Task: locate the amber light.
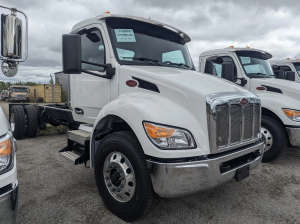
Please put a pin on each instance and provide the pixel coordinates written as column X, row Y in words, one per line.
column 158, row 132
column 5, row 148
column 291, row 113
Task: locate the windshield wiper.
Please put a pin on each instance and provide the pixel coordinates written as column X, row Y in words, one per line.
column 149, row 60
column 268, row 76
column 181, row 65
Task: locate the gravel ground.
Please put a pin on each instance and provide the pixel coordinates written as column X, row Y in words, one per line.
column 53, row 190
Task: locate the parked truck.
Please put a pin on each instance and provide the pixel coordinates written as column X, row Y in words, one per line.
column 4, row 95
column 141, row 116
column 18, row 94
column 251, row 69
column 286, row 69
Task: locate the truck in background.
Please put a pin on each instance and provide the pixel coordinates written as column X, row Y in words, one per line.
column 251, row 69
column 286, row 69
column 4, row 95
column 18, row 94
column 143, row 118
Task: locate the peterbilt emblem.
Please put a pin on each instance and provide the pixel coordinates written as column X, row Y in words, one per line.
column 244, row 102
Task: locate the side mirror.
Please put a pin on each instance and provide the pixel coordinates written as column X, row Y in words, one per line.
column 71, row 57
column 71, row 53
column 279, row 74
column 228, row 71
column 209, row 67
column 290, row 75
column 11, row 36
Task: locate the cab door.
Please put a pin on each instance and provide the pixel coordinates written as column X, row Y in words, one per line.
column 89, row 94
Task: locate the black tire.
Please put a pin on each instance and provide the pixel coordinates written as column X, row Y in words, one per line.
column 18, row 115
column 278, row 136
column 32, row 121
column 144, row 198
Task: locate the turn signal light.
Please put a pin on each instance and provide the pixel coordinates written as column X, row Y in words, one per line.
column 158, row 131
column 107, row 12
column 231, row 46
column 5, row 148
column 291, row 113
column 287, row 58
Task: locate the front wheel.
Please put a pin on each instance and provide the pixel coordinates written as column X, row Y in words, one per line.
column 123, row 178
column 275, row 137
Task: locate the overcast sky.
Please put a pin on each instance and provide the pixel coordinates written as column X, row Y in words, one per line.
column 270, row 25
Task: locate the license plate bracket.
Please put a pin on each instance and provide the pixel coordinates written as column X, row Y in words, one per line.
column 242, row 173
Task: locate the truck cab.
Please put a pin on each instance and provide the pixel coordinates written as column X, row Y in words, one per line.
column 286, row 69
column 250, row 69
column 4, row 95
column 141, row 116
column 18, row 94
column 8, row 172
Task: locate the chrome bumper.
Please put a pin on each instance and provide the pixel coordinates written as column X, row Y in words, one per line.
column 9, row 204
column 178, row 179
column 294, row 135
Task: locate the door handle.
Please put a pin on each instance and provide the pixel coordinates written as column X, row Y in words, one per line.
column 78, row 111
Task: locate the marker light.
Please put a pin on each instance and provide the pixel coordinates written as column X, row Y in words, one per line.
column 107, row 12
column 294, row 115
column 231, row 46
column 287, row 58
column 169, row 137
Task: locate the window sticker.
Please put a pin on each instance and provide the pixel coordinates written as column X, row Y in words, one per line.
column 245, row 60
column 125, row 53
column 125, row 35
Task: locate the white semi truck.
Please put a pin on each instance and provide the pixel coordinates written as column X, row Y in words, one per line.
column 251, row 69
column 143, row 118
column 286, row 69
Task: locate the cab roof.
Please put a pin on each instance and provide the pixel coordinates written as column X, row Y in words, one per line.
column 232, row 49
column 105, row 16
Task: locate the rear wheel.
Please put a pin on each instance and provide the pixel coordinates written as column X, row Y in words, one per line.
column 31, row 121
column 17, row 121
column 123, row 178
column 275, row 136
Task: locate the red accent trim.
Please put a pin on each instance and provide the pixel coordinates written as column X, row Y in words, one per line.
column 244, row 102
column 261, row 88
column 131, row 83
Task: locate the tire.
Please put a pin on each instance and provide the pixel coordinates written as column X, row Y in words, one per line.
column 278, row 138
column 32, row 121
column 144, row 198
column 17, row 121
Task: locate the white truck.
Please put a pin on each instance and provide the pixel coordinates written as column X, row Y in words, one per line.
column 8, row 173
column 286, row 69
column 143, row 118
column 251, row 69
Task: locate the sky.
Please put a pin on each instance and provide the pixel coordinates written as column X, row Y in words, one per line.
column 270, row 25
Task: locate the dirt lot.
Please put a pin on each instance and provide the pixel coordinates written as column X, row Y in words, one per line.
column 52, row 190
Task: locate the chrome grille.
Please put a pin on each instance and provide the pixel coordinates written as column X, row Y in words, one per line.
column 232, row 125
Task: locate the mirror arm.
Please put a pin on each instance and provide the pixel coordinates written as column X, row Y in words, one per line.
column 95, row 74
column 110, row 71
column 96, row 64
column 243, row 81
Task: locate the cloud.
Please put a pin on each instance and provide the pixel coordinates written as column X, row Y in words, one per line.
column 267, row 25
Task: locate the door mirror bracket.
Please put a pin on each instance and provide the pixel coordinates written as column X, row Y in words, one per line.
column 243, row 81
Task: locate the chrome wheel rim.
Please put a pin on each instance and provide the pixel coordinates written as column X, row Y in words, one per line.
column 12, row 122
column 268, row 137
column 119, row 176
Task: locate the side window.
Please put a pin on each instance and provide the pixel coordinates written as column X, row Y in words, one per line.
column 173, row 56
column 217, row 65
column 283, row 68
column 92, row 49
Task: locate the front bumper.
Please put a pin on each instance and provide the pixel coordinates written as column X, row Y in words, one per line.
column 294, row 135
column 178, row 179
column 9, row 203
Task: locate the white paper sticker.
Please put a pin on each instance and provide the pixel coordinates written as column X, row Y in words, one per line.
column 245, row 60
column 125, row 35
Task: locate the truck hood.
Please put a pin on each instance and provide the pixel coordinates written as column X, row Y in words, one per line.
column 288, row 88
column 186, row 78
column 4, row 125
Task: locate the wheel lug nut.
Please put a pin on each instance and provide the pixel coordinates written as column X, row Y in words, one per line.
column 113, row 190
column 108, row 185
column 121, row 185
column 118, row 190
column 107, row 171
column 107, row 177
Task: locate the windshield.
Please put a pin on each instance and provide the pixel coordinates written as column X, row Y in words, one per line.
column 140, row 43
column 255, row 64
column 297, row 67
column 19, row 90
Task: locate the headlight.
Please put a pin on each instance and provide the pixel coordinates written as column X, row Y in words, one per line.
column 169, row 137
column 294, row 115
column 5, row 154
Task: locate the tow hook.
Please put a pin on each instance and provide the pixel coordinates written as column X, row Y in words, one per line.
column 224, row 167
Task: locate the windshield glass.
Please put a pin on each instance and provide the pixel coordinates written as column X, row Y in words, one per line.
column 297, row 67
column 19, row 90
column 255, row 64
column 140, row 43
